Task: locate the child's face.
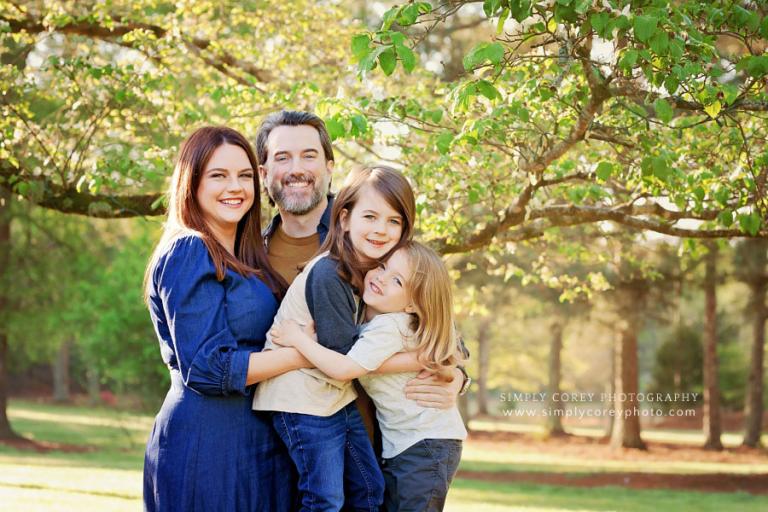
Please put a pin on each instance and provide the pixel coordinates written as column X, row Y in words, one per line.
column 386, row 287
column 374, row 227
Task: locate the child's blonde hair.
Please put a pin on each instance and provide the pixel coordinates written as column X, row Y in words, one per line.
column 430, row 289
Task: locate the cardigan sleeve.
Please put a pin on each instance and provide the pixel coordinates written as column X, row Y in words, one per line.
column 194, row 305
column 332, row 305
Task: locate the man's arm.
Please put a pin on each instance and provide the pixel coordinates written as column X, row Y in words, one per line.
column 429, row 390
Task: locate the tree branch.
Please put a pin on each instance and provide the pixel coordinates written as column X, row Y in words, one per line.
column 95, row 31
column 69, row 200
column 541, row 219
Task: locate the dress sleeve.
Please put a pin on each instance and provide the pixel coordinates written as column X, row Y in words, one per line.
column 333, row 307
column 194, row 303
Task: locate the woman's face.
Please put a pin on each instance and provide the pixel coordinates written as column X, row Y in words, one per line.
column 226, row 190
column 374, row 227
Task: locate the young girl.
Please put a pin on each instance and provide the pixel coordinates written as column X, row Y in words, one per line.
column 315, row 415
column 408, row 307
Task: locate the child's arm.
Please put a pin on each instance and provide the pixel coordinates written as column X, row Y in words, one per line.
column 400, row 363
column 330, row 362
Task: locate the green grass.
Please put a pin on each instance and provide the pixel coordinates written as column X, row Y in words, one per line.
column 478, row 496
column 108, row 477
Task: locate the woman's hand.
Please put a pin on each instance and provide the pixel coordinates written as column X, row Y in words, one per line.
column 433, row 390
column 289, row 333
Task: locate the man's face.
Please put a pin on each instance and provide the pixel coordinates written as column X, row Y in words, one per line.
column 296, row 173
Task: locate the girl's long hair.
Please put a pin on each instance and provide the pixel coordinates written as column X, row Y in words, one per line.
column 186, row 217
column 397, row 192
column 437, row 345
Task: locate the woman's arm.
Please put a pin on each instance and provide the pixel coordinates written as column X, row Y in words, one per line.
column 270, row 363
column 330, row 362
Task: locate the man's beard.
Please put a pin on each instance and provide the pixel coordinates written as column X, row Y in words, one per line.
column 297, row 204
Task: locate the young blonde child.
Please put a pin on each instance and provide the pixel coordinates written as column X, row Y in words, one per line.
column 408, row 307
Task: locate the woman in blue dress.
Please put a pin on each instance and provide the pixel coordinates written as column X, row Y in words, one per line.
column 212, row 295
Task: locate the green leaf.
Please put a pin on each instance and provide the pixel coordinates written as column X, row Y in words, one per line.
column 488, row 90
column 730, row 93
column 396, row 38
column 764, row 27
column 713, row 109
column 408, row 15
column 645, row 27
column 407, row 57
column 676, row 48
column 756, row 66
column 749, row 223
column 660, row 168
column 361, row 46
column 628, row 59
column 335, row 128
column 601, row 22
column 465, row 93
column 725, row 217
column 360, row 124
column 722, row 195
column 582, row 6
column 491, row 6
column 663, row 110
column 660, row 42
column 492, row 52
column 389, row 17
column 443, row 142
column 520, row 9
column 434, row 115
column 745, row 18
column 502, row 19
column 387, row 61
column 369, row 61
column 604, row 170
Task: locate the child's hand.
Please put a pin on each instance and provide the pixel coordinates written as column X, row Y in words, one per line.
column 289, row 333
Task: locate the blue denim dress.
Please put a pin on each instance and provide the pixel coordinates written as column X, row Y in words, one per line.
column 208, row 451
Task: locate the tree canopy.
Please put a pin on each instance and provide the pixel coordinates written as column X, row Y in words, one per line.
column 649, row 115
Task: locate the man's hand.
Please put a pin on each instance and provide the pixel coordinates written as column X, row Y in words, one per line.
column 431, row 390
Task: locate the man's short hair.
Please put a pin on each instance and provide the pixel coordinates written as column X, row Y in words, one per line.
column 291, row 118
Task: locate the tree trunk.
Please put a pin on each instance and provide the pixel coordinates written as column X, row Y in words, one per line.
column 555, row 410
column 626, row 428
column 712, row 424
column 753, row 406
column 484, row 360
column 5, row 257
column 612, row 386
column 94, row 385
column 61, row 381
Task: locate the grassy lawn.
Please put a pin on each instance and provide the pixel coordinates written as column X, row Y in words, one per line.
column 108, row 475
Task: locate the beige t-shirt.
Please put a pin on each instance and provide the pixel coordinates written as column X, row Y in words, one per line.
column 305, row 391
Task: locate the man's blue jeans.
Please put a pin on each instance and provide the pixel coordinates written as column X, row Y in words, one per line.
column 334, row 457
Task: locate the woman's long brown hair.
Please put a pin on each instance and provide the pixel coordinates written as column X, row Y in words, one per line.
column 186, row 217
column 395, row 189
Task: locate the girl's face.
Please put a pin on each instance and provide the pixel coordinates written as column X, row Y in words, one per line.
column 374, row 227
column 386, row 287
column 226, row 190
